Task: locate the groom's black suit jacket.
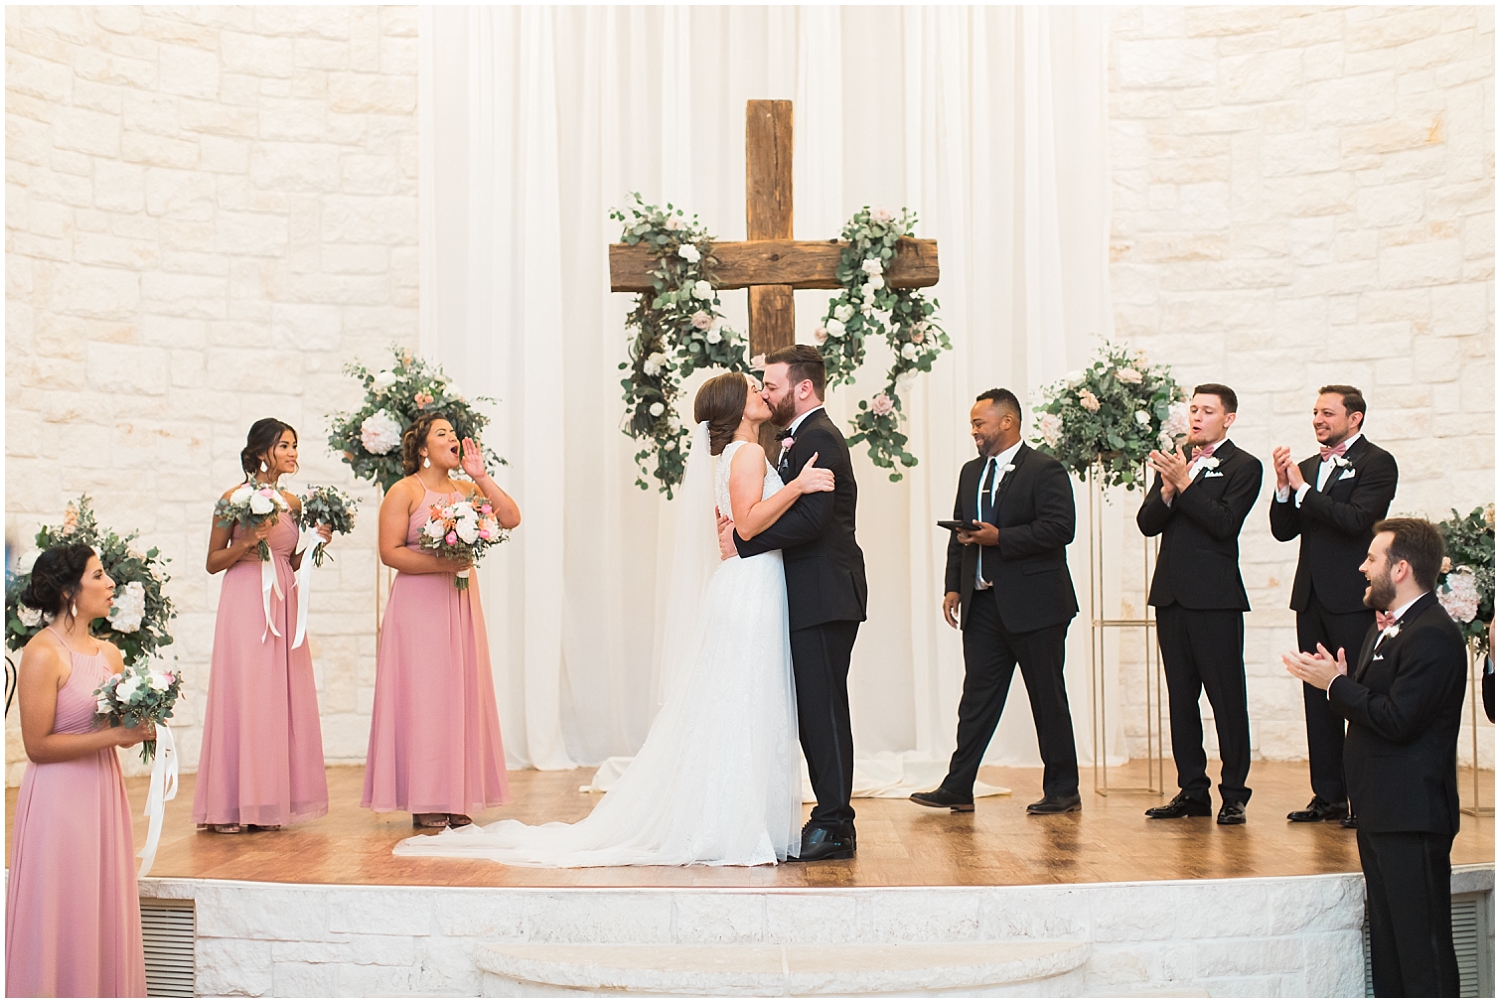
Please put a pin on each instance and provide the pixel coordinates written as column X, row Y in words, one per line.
column 825, row 569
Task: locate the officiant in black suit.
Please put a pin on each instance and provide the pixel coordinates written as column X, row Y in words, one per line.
column 1197, row 505
column 1008, row 587
column 1331, row 500
column 1404, row 703
column 825, row 590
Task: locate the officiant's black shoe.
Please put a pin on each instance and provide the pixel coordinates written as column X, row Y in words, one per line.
column 942, row 798
column 1182, row 806
column 1056, row 804
column 1231, row 813
column 821, row 844
column 1318, row 810
column 1351, row 822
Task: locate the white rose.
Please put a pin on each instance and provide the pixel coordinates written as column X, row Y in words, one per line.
column 1142, row 418
column 843, row 312
column 454, row 392
column 128, row 688
column 240, row 494
column 467, row 530
column 872, row 266
column 713, row 337
column 689, row 253
column 836, row 328
column 260, row 504
column 1073, row 378
column 650, row 368
column 658, row 409
column 702, row 290
column 384, row 380
column 877, row 282
column 159, row 682
column 433, row 531
column 909, row 351
column 869, row 294
column 103, row 706
column 25, row 562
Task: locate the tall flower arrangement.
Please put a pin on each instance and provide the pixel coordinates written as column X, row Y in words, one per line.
column 1466, row 586
column 869, row 306
column 137, row 623
column 369, row 437
column 678, row 329
column 1112, row 414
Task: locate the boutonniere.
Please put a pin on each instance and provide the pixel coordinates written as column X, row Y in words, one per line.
column 1339, row 461
column 1211, row 463
column 787, row 443
column 1393, row 630
column 1007, row 469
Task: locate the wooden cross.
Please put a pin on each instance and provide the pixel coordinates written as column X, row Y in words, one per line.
column 770, row 264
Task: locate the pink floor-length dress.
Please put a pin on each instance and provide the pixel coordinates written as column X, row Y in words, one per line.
column 435, row 733
column 262, row 758
column 72, row 914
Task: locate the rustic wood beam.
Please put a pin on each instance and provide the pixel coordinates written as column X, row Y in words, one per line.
column 768, row 216
column 801, row 264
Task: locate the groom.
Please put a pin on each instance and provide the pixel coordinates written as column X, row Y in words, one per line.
column 825, row 591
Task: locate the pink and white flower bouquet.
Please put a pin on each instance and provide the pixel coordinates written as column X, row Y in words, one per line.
column 463, row 529
column 250, row 505
column 138, row 695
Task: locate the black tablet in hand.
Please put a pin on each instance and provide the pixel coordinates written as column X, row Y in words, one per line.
column 964, row 524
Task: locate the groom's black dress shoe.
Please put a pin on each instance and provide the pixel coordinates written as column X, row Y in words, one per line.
column 1231, row 813
column 1318, row 810
column 942, row 798
column 1056, row 804
column 821, row 844
column 1182, row 806
column 1350, row 823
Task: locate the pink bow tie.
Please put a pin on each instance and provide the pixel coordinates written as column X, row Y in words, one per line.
column 1326, row 452
column 1383, row 620
column 1201, row 451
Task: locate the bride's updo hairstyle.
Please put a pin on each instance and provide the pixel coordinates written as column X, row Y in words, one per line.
column 414, row 438
column 721, row 403
column 56, row 577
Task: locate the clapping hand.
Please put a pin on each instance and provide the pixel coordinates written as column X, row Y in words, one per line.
column 472, row 460
column 1320, row 670
column 1173, row 467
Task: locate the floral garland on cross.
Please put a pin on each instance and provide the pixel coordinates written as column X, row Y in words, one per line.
column 678, row 330
column 869, row 306
column 1112, row 415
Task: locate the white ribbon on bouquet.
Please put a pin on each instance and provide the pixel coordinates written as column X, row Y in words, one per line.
column 269, row 584
column 305, row 544
column 163, row 789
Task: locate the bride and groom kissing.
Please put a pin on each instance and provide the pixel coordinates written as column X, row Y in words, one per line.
column 768, row 592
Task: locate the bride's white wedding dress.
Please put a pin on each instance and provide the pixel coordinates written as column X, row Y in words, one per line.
column 718, row 780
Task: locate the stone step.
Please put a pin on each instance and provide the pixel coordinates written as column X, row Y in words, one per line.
column 994, row 968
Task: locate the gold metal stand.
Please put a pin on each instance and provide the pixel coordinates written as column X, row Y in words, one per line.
column 1155, row 760
column 1476, row 676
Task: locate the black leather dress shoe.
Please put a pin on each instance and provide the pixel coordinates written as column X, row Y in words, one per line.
column 1318, row 810
column 1056, row 804
column 1350, row 822
column 1231, row 813
column 821, row 844
column 942, row 798
column 1182, row 806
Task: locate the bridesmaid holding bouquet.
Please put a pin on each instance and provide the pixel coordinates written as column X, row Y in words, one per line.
column 262, row 760
column 435, row 734
column 72, row 915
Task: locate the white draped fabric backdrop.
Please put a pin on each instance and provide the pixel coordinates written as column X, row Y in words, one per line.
column 989, row 122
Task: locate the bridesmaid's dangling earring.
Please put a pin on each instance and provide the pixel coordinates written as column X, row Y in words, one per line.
column 75, row 611
column 426, row 461
column 262, row 466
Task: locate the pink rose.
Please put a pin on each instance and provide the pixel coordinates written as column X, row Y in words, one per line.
column 820, row 334
column 788, row 443
column 702, row 321
column 882, row 215
column 882, row 404
column 422, row 399
column 1128, row 375
column 918, row 335
column 451, row 538
column 486, row 509
column 758, row 362
column 1088, row 400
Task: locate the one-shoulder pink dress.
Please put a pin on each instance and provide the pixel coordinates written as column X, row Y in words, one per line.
column 72, row 915
column 435, row 733
column 262, row 758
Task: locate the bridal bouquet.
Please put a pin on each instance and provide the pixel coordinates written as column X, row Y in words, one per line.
column 462, row 529
column 138, row 695
column 327, row 505
column 250, row 505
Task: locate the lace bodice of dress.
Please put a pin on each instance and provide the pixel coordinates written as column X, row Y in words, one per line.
column 721, row 478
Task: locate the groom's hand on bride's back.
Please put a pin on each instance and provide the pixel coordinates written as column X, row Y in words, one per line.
column 726, row 537
column 813, row 479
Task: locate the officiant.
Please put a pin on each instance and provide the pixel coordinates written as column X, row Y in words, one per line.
column 1008, row 589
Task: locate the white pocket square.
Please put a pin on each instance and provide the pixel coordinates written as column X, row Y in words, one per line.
column 1212, row 473
column 1346, row 475
column 1378, row 658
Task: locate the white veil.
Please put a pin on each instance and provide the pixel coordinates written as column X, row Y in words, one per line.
column 695, row 558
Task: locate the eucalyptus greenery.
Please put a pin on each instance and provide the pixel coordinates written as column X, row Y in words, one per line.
column 1466, row 586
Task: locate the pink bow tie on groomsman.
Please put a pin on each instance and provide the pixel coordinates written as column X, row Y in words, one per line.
column 1201, row 451
column 1383, row 620
column 1325, row 452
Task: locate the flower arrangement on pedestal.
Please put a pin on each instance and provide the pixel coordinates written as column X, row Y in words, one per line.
column 1112, row 415
column 1466, row 585
column 369, row 438
column 138, row 620
column 869, row 306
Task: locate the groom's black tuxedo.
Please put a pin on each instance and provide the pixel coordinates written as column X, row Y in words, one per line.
column 825, row 591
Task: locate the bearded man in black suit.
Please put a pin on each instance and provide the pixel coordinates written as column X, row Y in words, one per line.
column 1404, row 703
column 1331, row 500
column 1007, row 585
column 1197, row 504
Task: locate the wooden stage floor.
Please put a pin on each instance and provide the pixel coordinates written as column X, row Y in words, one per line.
column 900, row 844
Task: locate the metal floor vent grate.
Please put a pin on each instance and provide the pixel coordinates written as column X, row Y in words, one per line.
column 167, row 928
column 1471, row 943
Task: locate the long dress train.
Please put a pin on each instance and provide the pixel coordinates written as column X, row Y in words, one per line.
column 717, row 780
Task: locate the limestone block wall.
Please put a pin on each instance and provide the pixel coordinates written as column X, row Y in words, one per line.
column 1305, row 196
column 208, row 209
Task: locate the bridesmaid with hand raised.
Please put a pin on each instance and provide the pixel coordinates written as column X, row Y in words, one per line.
column 262, row 760
column 435, row 734
column 72, row 915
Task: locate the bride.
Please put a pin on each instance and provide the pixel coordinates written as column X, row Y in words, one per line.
column 717, row 780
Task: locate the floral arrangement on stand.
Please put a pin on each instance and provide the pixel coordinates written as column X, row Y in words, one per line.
column 869, row 306
column 1112, row 415
column 1466, row 585
column 678, row 330
column 137, row 623
column 369, row 438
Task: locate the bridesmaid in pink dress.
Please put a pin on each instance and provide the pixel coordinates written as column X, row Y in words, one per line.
column 435, row 736
column 72, row 916
column 262, row 761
